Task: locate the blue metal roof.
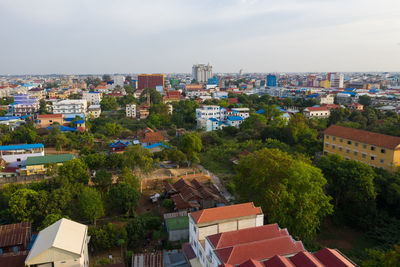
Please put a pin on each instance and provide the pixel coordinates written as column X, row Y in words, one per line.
column 120, row 143
column 234, row 118
column 9, row 118
column 79, row 122
column 156, row 145
column 260, row 111
column 20, row 147
column 63, row 128
column 212, row 119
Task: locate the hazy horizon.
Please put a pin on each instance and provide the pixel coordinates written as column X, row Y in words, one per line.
column 98, row 36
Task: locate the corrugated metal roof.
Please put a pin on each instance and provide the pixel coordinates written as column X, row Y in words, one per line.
column 21, row 147
column 61, row 158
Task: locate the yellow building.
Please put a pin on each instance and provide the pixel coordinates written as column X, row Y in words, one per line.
column 377, row 150
column 325, row 83
column 37, row 165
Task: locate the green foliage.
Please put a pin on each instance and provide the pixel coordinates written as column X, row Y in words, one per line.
column 136, row 157
column 105, row 237
column 56, row 139
column 103, row 180
column 95, row 160
column 168, row 204
column 365, row 100
column 90, row 204
column 155, row 97
column 191, row 145
column 378, row 258
column 128, row 177
column 52, row 218
column 27, row 205
column 288, row 190
column 42, row 106
column 124, row 198
column 351, row 184
column 73, row 171
column 108, row 103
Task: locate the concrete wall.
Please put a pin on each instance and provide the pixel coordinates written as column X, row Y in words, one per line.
column 176, row 235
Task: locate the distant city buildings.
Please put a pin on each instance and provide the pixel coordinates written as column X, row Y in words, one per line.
column 130, row 111
column 201, row 72
column 70, row 106
column 271, row 80
column 337, row 80
column 92, row 98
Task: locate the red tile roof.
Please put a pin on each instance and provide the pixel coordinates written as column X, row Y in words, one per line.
column 260, row 250
column 228, row 239
column 225, row 213
column 306, row 259
column 278, row 261
column 233, row 100
column 252, row 263
column 371, row 138
column 332, row 258
column 188, row 251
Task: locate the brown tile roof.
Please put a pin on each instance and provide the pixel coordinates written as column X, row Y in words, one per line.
column 49, row 116
column 306, row 259
column 231, row 238
column 152, row 137
column 278, row 261
column 260, row 250
column 252, row 263
column 371, row 138
column 14, row 234
column 188, row 251
column 181, row 204
column 226, row 212
column 332, row 258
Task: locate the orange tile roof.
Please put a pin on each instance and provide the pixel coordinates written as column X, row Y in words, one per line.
column 260, row 250
column 152, row 137
column 371, row 138
column 228, row 239
column 225, row 213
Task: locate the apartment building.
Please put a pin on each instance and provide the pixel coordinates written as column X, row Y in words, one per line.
column 212, row 221
column 16, row 155
column 46, row 120
column 317, row 112
column 70, row 106
column 377, row 150
column 23, row 105
column 64, row 243
column 94, row 111
column 244, row 113
column 92, row 98
column 326, row 99
column 130, row 111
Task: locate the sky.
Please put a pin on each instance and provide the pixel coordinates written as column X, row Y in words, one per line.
column 169, row 36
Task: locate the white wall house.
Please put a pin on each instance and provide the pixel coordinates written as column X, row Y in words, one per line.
column 317, row 112
column 130, row 111
column 326, row 99
column 64, row 243
column 94, row 111
column 242, row 112
column 92, row 98
column 16, row 155
column 212, row 221
column 70, row 106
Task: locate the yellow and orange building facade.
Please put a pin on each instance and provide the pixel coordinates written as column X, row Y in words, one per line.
column 377, row 150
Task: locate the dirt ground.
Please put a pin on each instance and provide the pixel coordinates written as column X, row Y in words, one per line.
column 53, row 151
column 337, row 237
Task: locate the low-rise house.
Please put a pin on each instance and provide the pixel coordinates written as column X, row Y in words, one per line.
column 46, row 120
column 143, row 112
column 234, row 121
column 64, row 243
column 317, row 112
column 171, row 96
column 94, row 111
column 15, row 237
column 149, row 137
column 16, row 155
column 356, row 106
column 37, row 165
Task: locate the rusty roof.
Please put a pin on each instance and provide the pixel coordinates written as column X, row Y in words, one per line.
column 371, row 138
column 14, row 234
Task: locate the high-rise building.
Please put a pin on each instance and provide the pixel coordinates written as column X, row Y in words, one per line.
column 337, row 80
column 150, row 80
column 271, row 80
column 202, row 72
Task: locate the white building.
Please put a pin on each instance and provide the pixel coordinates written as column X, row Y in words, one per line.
column 130, row 111
column 70, row 106
column 212, row 221
column 244, row 113
column 16, row 155
column 94, row 111
column 207, row 112
column 64, row 243
column 337, row 80
column 202, row 72
column 326, row 99
column 118, row 80
column 317, row 112
column 93, row 98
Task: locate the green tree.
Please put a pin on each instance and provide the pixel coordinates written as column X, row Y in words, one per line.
column 52, row 218
column 103, row 180
column 136, row 157
column 288, row 190
column 90, row 204
column 27, row 205
column 42, row 106
column 128, row 177
column 124, row 197
column 191, row 145
column 136, row 230
column 73, row 171
column 106, row 78
column 377, row 258
column 365, row 100
column 95, row 160
column 155, row 97
column 108, row 103
column 351, row 184
column 254, row 122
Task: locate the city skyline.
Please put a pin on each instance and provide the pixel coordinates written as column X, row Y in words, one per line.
column 84, row 37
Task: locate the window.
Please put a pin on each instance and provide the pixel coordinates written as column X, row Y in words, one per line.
column 327, row 136
column 341, row 140
column 334, row 138
column 347, row 150
column 340, row 148
column 383, row 151
column 364, row 155
column 326, row 145
column 348, row 142
column 372, row 148
column 356, row 143
column 18, row 159
column 355, row 153
column 372, row 158
column 364, row 146
column 382, row 160
column 333, row 146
